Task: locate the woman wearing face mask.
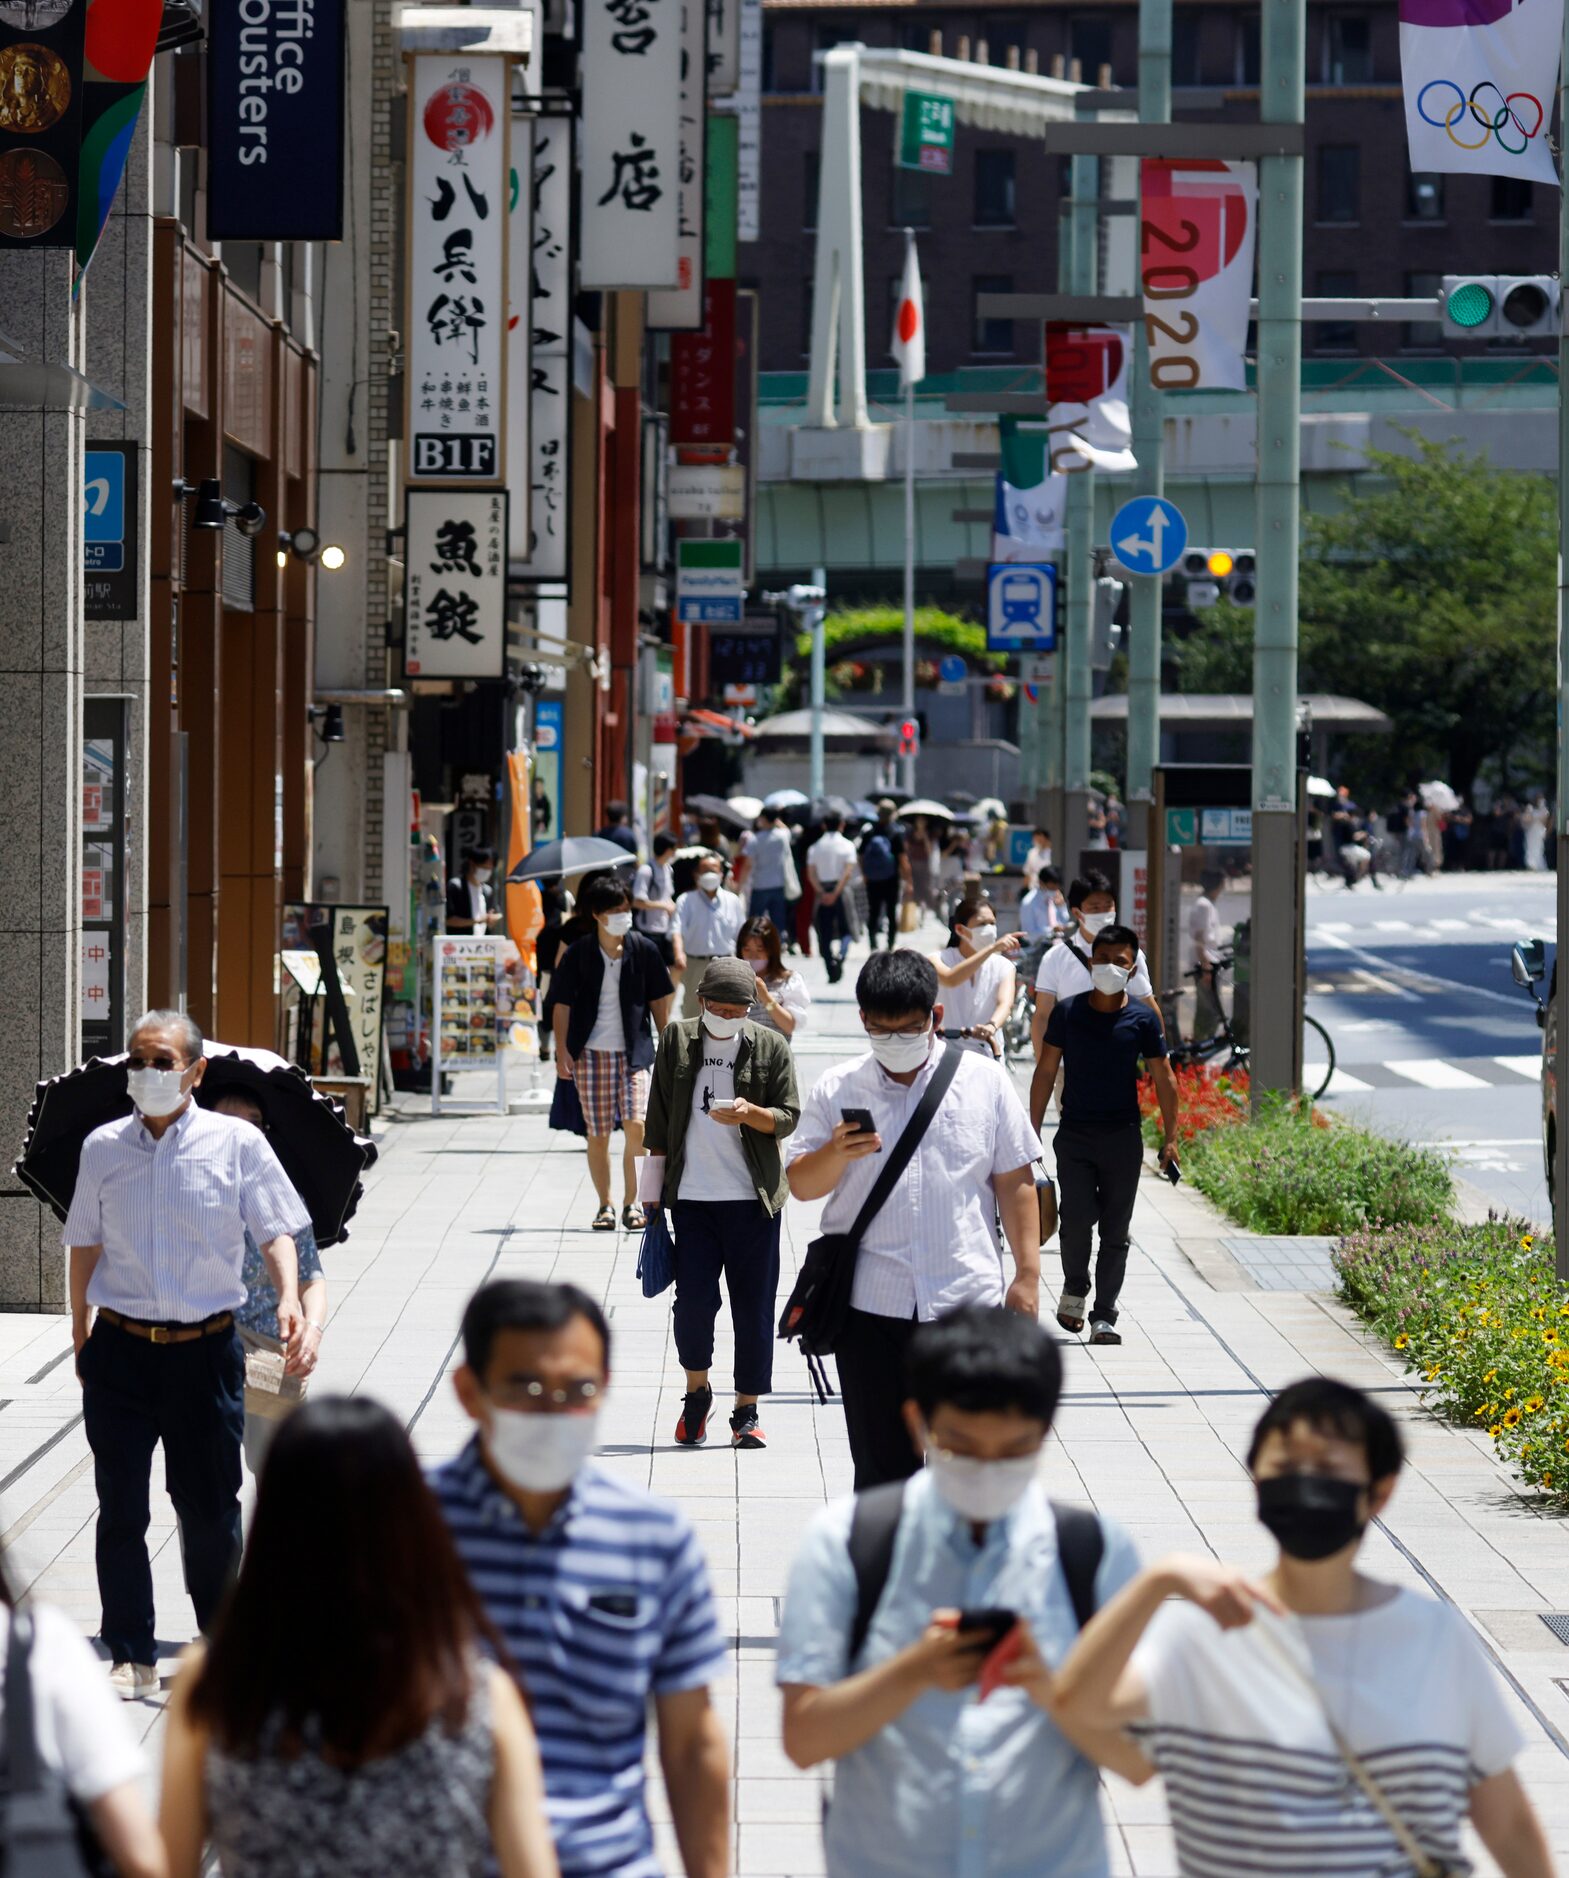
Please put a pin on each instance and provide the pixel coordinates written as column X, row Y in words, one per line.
column 1064, row 970
column 357, row 1729
column 782, row 1000
column 471, row 899
column 722, row 1101
column 975, row 970
column 1314, row 1720
column 709, row 917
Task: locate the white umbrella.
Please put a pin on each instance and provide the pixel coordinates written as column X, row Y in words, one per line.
column 786, row 799
column 922, row 806
column 1438, row 795
column 1319, row 786
column 749, row 806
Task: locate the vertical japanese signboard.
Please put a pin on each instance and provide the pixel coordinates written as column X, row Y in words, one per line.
column 724, row 47
column 629, row 209
column 359, row 950
column 40, row 121
column 540, row 553
column 925, row 140
column 749, row 110
column 680, row 308
column 455, row 583
column 520, row 325
column 275, row 120
column 459, row 183
column 111, row 585
column 702, row 375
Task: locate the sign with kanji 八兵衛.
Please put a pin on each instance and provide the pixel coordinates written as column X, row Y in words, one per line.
column 925, row 140
column 455, row 583
column 456, row 299
column 629, row 192
column 680, row 308
column 702, row 373
column 540, row 550
column 110, row 584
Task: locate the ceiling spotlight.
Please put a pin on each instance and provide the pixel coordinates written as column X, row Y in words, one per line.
column 331, row 718
column 333, row 557
column 214, row 509
column 210, row 510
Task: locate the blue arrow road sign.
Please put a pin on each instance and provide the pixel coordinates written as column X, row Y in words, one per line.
column 1148, row 535
column 1021, row 606
column 952, row 669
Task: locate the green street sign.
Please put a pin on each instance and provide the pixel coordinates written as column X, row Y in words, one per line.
column 1182, row 828
column 925, row 133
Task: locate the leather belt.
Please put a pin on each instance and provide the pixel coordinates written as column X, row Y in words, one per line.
column 168, row 1333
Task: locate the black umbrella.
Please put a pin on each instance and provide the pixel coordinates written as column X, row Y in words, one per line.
column 832, row 805
column 719, row 809
column 321, row 1154
column 574, row 855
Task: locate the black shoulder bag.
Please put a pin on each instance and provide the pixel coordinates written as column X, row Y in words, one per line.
column 45, row 1834
column 820, row 1300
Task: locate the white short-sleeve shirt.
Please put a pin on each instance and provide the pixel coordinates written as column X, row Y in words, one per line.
column 609, row 1032
column 974, row 1001
column 1064, row 975
column 78, row 1722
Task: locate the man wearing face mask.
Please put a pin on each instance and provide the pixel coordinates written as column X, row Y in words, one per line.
column 1064, row 970
column 471, row 899
column 897, row 1599
column 1313, row 1720
column 156, row 1237
column 1100, row 1038
column 932, row 1244
column 598, row 1590
column 723, row 1099
column 709, row 918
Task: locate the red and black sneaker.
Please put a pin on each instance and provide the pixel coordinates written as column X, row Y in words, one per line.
column 744, row 1431
column 692, row 1429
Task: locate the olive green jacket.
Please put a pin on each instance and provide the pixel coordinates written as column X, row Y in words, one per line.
column 764, row 1074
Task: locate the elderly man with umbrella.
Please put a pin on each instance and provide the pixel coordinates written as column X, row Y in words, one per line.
column 155, row 1235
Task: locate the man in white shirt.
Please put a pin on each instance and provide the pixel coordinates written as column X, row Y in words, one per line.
column 830, row 866
column 1041, row 909
column 1039, row 856
column 1204, row 930
column 1065, row 967
column 708, row 924
column 933, row 1245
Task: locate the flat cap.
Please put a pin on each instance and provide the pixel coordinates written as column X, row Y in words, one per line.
column 728, row 981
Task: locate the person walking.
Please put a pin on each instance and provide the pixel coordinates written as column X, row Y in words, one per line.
column 1537, row 819
column 781, row 999
column 1064, row 970
column 1042, row 910
column 1037, row 856
column 1205, row 936
column 975, row 970
column 471, row 899
column 768, row 865
column 885, row 867
column 723, row 1099
column 599, row 1591
column 708, row 923
column 617, row 827
column 1314, row 1719
column 830, row 867
column 611, row 996
column 155, row 1238
column 654, row 905
column 878, row 1664
column 342, row 1718
column 932, row 1243
column 273, row 1386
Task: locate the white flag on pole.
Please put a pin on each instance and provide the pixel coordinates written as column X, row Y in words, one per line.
column 909, row 324
column 1479, row 78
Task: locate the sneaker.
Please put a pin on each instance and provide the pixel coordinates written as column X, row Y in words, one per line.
column 744, row 1431
column 692, row 1429
column 1102, row 1332
column 133, row 1679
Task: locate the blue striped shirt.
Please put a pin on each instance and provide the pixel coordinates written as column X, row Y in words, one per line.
column 172, row 1214
column 608, row 1605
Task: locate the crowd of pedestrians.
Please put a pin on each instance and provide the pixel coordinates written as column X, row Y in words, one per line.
column 1429, row 830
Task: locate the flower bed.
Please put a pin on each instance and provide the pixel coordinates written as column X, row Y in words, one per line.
column 1479, row 1313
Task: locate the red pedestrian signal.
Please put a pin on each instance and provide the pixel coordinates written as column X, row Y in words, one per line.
column 910, row 737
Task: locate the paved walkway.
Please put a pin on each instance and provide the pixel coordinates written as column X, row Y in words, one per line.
column 1150, row 1433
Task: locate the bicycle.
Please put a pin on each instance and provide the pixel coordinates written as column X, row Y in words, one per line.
column 1196, row 1052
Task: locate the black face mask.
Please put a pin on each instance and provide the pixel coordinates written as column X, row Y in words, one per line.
column 1309, row 1515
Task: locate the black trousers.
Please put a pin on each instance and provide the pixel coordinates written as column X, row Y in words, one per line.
column 870, row 1360
column 882, row 908
column 738, row 1238
column 191, row 1397
column 833, row 935
column 1097, row 1183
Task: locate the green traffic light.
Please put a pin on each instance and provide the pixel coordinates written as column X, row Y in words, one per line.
column 1469, row 305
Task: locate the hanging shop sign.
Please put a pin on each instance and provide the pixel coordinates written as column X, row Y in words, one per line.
column 1197, row 225
column 455, row 583
column 275, row 110
column 723, row 61
column 629, row 212
column 111, row 583
column 680, row 308
column 925, row 139
column 702, row 373
column 520, row 326
column 41, row 47
column 540, row 552
column 749, row 114
column 459, row 185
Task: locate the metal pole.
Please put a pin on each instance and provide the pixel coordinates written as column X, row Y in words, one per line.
column 1075, row 673
column 1277, row 870
column 1144, row 602
column 908, row 772
column 1561, row 807
column 819, row 614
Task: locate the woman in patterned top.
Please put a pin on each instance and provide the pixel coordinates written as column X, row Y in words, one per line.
column 354, row 1730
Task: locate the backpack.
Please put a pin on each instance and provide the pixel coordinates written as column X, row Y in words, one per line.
column 877, row 860
column 875, row 1525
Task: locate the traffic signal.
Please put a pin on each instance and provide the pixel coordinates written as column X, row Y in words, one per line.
column 910, row 737
column 1500, row 306
column 1215, row 573
column 1106, row 634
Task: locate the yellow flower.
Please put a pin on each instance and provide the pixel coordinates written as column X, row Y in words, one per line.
column 1490, row 1375
column 1549, row 1336
column 1538, row 1311
column 1511, row 1416
column 1525, row 1243
column 1433, row 1374
column 1401, row 1341
column 1534, row 1403
column 1497, row 1429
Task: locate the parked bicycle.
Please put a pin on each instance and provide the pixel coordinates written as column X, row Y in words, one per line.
column 1224, row 1048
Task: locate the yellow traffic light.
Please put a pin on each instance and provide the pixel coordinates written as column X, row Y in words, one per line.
column 1219, row 564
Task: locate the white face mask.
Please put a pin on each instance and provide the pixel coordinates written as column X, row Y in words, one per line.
column 982, row 933
column 156, row 1092
column 618, row 925
column 722, row 1028
column 1096, row 922
column 482, row 874
column 708, row 882
column 540, row 1453
column 1109, row 978
column 898, row 1054
column 980, row 1490
column 760, row 966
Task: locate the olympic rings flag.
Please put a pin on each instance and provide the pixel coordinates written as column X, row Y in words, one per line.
column 1479, row 78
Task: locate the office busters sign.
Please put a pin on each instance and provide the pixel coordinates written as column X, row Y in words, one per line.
column 456, row 304
column 275, row 81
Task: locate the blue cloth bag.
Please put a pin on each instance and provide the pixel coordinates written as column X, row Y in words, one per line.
column 656, row 1264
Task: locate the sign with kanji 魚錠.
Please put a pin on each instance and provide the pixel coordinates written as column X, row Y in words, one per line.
column 456, row 302
column 629, row 193
column 925, row 133
column 455, row 583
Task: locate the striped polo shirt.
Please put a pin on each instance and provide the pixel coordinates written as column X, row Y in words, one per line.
column 608, row 1605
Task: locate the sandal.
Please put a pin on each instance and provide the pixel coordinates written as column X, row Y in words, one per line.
column 633, row 1217
column 1070, row 1313
column 605, row 1219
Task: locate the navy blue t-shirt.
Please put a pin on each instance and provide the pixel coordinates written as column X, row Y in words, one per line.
column 1100, row 1058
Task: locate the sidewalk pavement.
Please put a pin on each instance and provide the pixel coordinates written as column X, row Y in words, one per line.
column 1151, row 1433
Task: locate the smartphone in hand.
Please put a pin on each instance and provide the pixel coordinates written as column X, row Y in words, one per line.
column 1173, row 1172
column 998, row 1632
column 859, row 1119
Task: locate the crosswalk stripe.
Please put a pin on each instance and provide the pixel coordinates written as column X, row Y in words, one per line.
column 1453, row 925
column 1333, row 925
column 1341, row 1083
column 1530, row 1066
column 1433, row 1072
column 1393, row 925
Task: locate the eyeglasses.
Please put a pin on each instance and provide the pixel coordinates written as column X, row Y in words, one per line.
column 165, row 1061
column 879, row 1031
column 532, row 1394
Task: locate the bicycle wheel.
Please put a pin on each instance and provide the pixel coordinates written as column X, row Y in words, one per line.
column 1312, row 1025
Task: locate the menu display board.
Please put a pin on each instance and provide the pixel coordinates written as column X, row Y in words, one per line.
column 467, row 996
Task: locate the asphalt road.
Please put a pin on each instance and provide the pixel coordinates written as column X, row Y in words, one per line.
column 1433, row 1040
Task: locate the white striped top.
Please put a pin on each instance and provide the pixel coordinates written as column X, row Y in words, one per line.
column 171, row 1214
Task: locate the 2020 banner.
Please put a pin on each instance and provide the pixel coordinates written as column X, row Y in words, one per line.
column 1479, row 78
column 1198, row 221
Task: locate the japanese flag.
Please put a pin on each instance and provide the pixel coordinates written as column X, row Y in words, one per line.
column 909, row 325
